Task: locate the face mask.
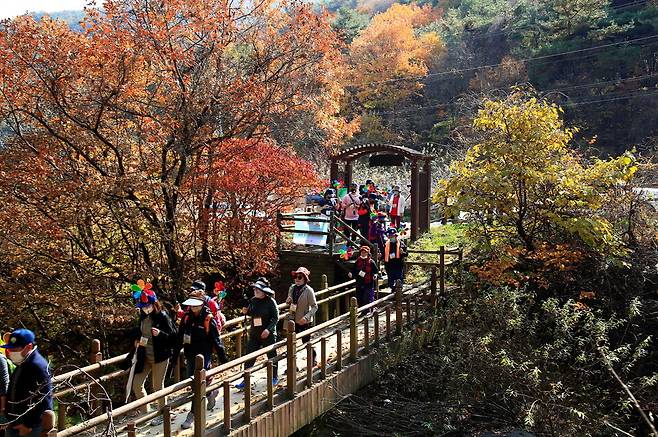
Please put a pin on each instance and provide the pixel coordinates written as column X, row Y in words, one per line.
column 196, row 309
column 258, row 294
column 353, row 190
column 364, row 256
column 16, row 357
column 299, row 281
column 393, row 239
column 147, row 309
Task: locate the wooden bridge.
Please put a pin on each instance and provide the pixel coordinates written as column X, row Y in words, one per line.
column 349, row 341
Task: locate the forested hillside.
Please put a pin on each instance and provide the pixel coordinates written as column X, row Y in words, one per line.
column 433, row 61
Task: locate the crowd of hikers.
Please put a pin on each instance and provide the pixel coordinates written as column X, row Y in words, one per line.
column 195, row 325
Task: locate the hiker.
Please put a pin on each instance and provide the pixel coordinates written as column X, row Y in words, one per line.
column 198, row 290
column 198, row 335
column 155, row 338
column 350, row 206
column 396, row 202
column 303, row 305
column 367, row 208
column 29, row 394
column 264, row 316
column 330, row 204
column 394, row 253
column 4, row 384
column 377, row 232
column 217, row 295
column 365, row 273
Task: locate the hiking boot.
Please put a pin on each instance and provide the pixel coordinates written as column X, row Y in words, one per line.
column 275, row 381
column 212, row 399
column 157, row 421
column 189, row 421
column 240, row 385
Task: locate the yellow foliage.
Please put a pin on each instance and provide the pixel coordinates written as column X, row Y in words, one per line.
column 522, row 183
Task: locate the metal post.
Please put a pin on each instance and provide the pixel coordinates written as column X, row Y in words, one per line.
column 353, row 330
column 199, row 393
column 291, row 356
column 331, row 238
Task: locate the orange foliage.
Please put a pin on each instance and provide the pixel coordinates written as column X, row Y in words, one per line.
column 102, row 173
column 389, row 49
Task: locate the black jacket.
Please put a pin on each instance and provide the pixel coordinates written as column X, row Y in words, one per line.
column 30, row 391
column 267, row 311
column 204, row 335
column 395, row 263
column 163, row 343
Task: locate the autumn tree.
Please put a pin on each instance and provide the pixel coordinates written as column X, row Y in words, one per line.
column 390, row 57
column 522, row 185
column 111, row 131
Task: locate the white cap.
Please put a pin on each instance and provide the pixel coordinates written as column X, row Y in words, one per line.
column 193, row 302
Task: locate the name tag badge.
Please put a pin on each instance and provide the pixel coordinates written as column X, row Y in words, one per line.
column 143, row 341
column 258, row 321
column 293, row 307
column 392, row 256
column 362, row 274
column 187, row 339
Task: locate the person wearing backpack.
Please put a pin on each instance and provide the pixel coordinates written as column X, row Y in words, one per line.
column 303, row 304
column 350, row 205
column 198, row 335
column 365, row 273
column 264, row 317
column 198, row 289
column 4, row 384
column 154, row 338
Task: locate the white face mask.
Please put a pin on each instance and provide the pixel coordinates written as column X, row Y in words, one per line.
column 16, row 357
column 258, row 294
column 196, row 309
column 299, row 282
column 364, row 256
column 148, row 309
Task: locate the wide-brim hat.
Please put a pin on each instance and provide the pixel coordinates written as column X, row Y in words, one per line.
column 193, row 302
column 262, row 286
column 364, row 249
column 302, row 271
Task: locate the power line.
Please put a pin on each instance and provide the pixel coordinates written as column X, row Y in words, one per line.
column 545, row 92
column 553, row 55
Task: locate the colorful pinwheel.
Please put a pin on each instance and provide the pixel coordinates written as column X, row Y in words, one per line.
column 220, row 291
column 142, row 291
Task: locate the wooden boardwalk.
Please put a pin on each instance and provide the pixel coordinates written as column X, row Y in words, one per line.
column 341, row 343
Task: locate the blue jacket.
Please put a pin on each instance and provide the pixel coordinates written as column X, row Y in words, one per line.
column 30, row 391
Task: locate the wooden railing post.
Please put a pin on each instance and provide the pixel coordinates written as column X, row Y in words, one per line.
column 199, row 394
column 442, row 271
column 130, row 429
column 227, row 407
column 331, row 238
column 433, row 287
column 460, row 260
column 166, row 421
column 323, row 357
column 238, row 342
column 291, row 356
column 270, row 386
column 376, row 329
column 354, row 341
column 366, row 334
column 96, row 356
column 339, row 350
column 309, row 364
column 325, row 306
column 247, row 395
column 61, row 415
column 398, row 307
column 388, row 323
